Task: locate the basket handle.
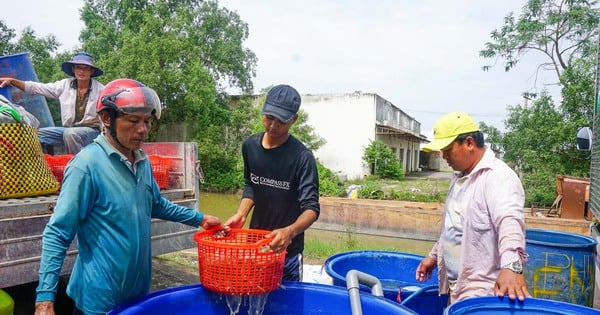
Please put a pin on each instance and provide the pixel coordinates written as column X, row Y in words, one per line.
column 216, row 229
column 263, row 242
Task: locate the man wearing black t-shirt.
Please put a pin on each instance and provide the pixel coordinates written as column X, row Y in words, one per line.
column 281, row 181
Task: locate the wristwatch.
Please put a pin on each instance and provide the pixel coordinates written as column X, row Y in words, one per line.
column 515, row 266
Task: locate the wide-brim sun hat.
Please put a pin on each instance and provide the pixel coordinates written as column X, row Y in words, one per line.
column 81, row 59
column 447, row 128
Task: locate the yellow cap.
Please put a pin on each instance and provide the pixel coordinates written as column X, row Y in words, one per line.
column 447, row 128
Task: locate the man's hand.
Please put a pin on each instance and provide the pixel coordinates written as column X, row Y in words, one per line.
column 44, row 308
column 282, row 238
column 236, row 221
column 425, row 269
column 511, row 283
column 210, row 221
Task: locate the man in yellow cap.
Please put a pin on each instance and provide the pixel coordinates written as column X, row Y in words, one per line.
column 481, row 249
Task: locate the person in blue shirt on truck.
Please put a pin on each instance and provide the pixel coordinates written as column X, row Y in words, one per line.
column 107, row 200
column 281, row 182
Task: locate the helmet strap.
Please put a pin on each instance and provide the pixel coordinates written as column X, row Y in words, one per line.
column 112, row 129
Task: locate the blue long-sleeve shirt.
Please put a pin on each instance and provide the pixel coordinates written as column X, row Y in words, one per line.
column 108, row 204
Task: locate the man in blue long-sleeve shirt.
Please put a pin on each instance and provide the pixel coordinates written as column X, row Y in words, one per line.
column 107, row 199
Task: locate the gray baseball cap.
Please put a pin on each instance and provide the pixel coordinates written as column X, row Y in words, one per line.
column 283, row 102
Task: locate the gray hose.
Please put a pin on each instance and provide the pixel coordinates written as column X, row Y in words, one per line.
column 354, row 279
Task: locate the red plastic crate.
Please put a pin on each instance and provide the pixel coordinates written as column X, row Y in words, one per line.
column 160, row 169
column 57, row 164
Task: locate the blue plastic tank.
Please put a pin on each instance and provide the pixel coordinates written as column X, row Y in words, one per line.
column 396, row 271
column 504, row 306
column 560, row 266
column 289, row 298
column 19, row 66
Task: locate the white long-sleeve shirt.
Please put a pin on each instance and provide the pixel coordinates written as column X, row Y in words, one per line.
column 66, row 93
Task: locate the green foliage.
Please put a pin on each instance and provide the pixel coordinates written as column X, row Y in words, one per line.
column 540, row 145
column 540, row 140
column 41, row 51
column 306, row 133
column 187, row 51
column 413, row 189
column 182, row 49
column 382, row 161
column 493, row 136
column 349, row 240
column 223, row 169
column 370, row 190
column 417, row 195
column 329, row 184
column 563, row 31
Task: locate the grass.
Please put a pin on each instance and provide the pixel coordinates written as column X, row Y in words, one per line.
column 317, row 249
column 419, row 189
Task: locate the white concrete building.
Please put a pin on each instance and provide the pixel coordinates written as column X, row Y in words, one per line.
column 349, row 122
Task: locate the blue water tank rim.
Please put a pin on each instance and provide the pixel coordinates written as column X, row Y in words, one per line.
column 503, row 305
column 585, row 241
column 336, row 257
column 315, row 288
column 14, row 55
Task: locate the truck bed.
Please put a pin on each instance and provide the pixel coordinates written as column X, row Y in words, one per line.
column 22, row 221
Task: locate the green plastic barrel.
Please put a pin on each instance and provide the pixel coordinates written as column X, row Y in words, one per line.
column 560, row 266
column 7, row 305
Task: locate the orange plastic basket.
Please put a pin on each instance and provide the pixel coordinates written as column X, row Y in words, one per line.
column 57, row 164
column 160, row 170
column 239, row 263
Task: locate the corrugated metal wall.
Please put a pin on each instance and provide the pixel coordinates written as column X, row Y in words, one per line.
column 595, row 159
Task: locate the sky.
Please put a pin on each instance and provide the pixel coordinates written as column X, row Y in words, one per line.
column 421, row 55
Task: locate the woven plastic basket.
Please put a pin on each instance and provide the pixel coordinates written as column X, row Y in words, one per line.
column 239, row 263
column 160, row 170
column 23, row 170
column 57, row 164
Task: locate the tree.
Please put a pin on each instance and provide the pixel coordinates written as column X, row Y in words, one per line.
column 187, row 50
column 41, row 51
column 540, row 140
column 493, row 137
column 561, row 30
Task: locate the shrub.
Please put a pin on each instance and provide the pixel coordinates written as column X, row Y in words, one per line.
column 329, row 184
column 381, row 161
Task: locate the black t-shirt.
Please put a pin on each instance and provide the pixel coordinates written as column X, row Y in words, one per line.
column 282, row 182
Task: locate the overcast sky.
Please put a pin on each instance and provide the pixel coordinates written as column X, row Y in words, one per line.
column 421, row 55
